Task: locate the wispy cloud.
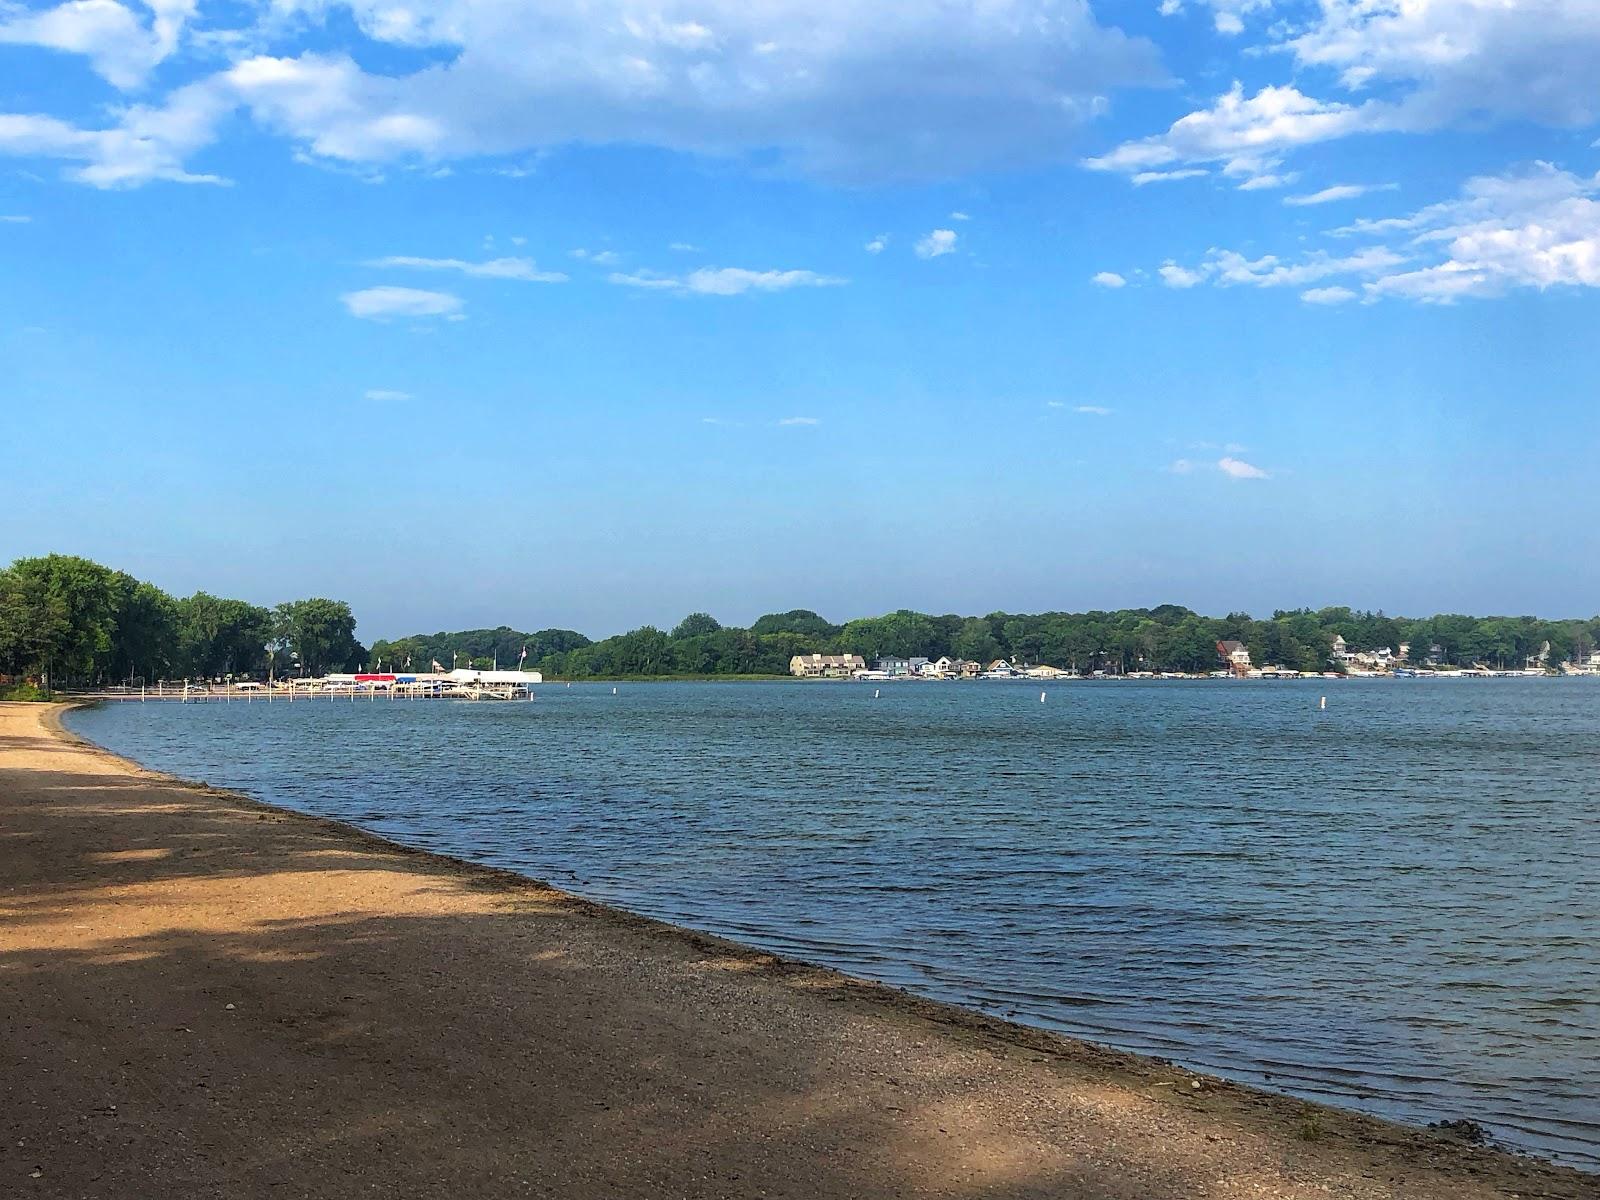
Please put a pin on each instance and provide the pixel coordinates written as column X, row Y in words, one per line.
column 1092, row 410
column 1233, row 468
column 602, row 258
column 1248, row 135
column 385, row 395
column 937, row 243
column 14, row 220
column 1109, row 279
column 960, row 216
column 1339, row 191
column 1228, row 268
column 1237, row 468
column 1268, row 180
column 684, row 248
column 877, row 245
column 1144, row 177
column 725, row 281
column 1328, row 295
column 384, row 303
column 495, row 268
column 799, row 421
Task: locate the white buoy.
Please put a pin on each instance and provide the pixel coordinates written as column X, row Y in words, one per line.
column 876, row 693
column 1041, row 697
column 1324, row 704
column 613, row 691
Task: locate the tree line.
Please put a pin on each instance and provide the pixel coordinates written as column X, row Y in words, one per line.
column 74, row 621
column 1166, row 638
column 71, row 621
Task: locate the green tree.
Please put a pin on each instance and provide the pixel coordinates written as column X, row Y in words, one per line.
column 975, row 641
column 797, row 620
column 77, row 619
column 222, row 637
column 696, row 624
column 146, row 642
column 320, row 634
column 32, row 621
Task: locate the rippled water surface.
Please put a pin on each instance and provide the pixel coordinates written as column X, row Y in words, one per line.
column 1393, row 904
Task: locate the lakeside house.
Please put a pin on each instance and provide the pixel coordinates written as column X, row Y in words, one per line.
column 1043, row 671
column 894, row 666
column 1236, row 655
column 826, row 666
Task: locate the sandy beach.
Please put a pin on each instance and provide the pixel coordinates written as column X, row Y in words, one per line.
column 204, row 996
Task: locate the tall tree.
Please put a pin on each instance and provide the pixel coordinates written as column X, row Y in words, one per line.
column 319, row 634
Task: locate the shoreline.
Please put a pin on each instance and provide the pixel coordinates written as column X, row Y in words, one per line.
column 1036, row 1112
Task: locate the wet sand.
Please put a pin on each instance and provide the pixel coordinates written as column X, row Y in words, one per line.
column 204, row 996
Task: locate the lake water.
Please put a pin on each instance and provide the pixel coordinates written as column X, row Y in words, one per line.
column 1393, row 904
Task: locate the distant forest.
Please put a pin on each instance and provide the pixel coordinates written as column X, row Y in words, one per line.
column 77, row 622
column 1167, row 638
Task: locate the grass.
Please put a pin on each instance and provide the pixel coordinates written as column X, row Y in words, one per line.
column 30, row 693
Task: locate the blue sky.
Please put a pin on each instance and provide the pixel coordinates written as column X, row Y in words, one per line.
column 474, row 311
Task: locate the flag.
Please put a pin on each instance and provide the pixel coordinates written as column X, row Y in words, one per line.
column 522, row 658
column 408, row 662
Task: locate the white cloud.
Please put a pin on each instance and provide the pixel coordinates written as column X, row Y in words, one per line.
column 1339, row 191
column 959, row 216
column 1175, row 276
column 14, row 219
column 495, row 268
column 147, row 142
column 827, row 88
column 725, row 281
column 1092, row 410
column 1236, row 468
column 1246, row 134
column 1256, row 183
column 385, row 395
column 799, row 421
column 685, row 248
column 1537, row 228
column 877, row 245
column 382, row 303
column 1227, row 268
column 1227, row 16
column 602, row 258
column 937, row 243
column 1109, row 279
column 1505, row 59
column 121, row 47
column 1143, row 177
column 1426, row 64
column 1328, row 295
